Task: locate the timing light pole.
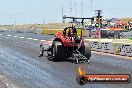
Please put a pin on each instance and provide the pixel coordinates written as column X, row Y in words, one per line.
column 99, row 12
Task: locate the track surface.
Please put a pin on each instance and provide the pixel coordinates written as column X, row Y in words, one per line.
column 19, row 63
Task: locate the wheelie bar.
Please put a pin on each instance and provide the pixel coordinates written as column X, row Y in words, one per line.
column 78, row 57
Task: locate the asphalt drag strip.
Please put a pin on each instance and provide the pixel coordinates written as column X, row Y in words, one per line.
column 19, row 62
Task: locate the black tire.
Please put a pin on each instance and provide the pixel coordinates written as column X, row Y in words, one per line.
column 81, row 80
column 58, row 51
column 86, row 51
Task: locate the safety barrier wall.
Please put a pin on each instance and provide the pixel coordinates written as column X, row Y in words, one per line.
column 113, row 48
column 126, row 49
column 126, row 34
column 54, row 31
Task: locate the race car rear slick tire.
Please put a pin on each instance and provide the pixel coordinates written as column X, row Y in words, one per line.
column 86, row 51
column 58, row 51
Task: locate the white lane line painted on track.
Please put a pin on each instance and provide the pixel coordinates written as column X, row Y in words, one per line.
column 15, row 36
column 42, row 40
column 35, row 39
column 7, row 84
column 9, row 35
column 29, row 38
column 92, row 51
column 21, row 37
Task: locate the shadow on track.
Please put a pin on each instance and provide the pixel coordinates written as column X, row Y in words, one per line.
column 67, row 60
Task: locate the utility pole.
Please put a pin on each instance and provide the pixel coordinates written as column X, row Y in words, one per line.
column 70, row 7
column 91, row 3
column 62, row 13
column 98, row 13
column 15, row 22
column 76, row 9
column 44, row 21
column 81, row 9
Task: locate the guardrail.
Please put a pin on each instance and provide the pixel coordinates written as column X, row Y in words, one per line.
column 120, row 48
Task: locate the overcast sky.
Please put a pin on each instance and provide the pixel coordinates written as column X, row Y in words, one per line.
column 36, row 11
